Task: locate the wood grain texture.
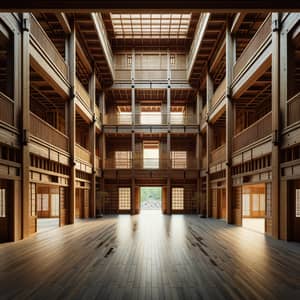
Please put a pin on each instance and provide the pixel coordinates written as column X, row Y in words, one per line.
column 150, row 257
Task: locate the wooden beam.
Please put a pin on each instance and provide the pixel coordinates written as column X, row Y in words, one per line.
column 63, row 21
column 237, row 21
column 83, row 57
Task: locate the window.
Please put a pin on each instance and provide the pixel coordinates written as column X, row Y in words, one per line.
column 151, row 155
column 150, row 115
column 124, row 115
column 160, row 26
column 246, row 205
column 177, row 115
column 123, row 159
column 297, row 203
column 177, row 198
column 6, row 62
column 54, row 205
column 2, row 203
column 42, row 202
column 269, row 200
column 124, row 198
column 33, row 199
column 179, row 159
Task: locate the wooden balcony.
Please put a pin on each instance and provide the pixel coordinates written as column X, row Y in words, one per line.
column 82, row 153
column 253, row 133
column 293, row 109
column 251, row 49
column 82, row 93
column 6, row 109
column 219, row 93
column 44, row 42
column 218, row 155
column 44, row 131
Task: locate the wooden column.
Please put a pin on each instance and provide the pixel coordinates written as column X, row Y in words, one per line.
column 209, row 137
column 92, row 93
column 72, row 120
column 275, row 123
column 26, row 230
column 229, row 120
column 133, row 173
column 133, row 111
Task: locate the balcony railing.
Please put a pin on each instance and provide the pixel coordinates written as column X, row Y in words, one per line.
column 6, row 109
column 48, row 47
column 219, row 93
column 258, row 39
column 82, row 93
column 150, row 163
column 149, row 119
column 218, row 155
column 293, row 106
column 44, row 131
column 82, row 153
column 256, row 131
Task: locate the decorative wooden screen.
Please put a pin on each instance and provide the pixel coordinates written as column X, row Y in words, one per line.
column 124, row 198
column 178, row 198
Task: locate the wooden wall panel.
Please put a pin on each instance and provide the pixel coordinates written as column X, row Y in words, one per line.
column 237, row 205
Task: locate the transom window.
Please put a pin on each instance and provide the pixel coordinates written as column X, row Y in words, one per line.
column 160, row 26
column 124, row 198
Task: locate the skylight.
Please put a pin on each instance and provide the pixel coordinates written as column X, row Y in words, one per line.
column 157, row 26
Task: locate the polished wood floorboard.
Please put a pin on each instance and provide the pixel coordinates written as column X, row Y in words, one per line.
column 150, row 257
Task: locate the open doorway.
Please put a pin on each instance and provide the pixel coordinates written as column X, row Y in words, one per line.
column 253, row 207
column 151, row 198
column 47, row 198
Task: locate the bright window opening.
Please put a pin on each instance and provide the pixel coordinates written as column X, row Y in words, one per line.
column 177, row 198
column 177, row 115
column 124, row 198
column 159, row 26
column 2, row 203
column 150, row 115
column 124, row 115
column 151, row 155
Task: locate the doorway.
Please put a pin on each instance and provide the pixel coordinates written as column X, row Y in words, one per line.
column 6, row 211
column 151, row 198
column 253, row 207
column 48, row 207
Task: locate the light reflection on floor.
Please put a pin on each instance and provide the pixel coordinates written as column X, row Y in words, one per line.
column 44, row 224
column 257, row 224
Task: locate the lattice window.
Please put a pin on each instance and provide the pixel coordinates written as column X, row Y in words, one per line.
column 55, row 205
column 2, row 203
column 178, row 198
column 179, row 159
column 269, row 199
column 42, row 202
column 124, row 198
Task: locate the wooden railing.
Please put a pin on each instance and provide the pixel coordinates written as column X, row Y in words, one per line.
column 46, row 44
column 82, row 93
column 219, row 93
column 256, row 131
column 82, row 153
column 97, row 113
column 149, row 119
column 218, row 155
column 293, row 108
column 6, row 109
column 44, row 131
column 258, row 39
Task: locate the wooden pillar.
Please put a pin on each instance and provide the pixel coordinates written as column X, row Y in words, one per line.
column 25, row 125
column 72, row 120
column 133, row 88
column 133, row 111
column 168, row 90
column 133, row 173
column 209, row 139
column 92, row 93
column 169, row 196
column 275, row 123
column 229, row 120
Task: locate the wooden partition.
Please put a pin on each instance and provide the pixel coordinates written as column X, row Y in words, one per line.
column 293, row 109
column 6, row 109
column 82, row 153
column 82, row 93
column 42, row 39
column 218, row 155
column 256, row 131
column 43, row 130
column 237, row 205
column 219, row 93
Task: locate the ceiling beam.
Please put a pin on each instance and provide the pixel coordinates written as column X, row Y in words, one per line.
column 154, row 5
column 63, row 21
column 237, row 21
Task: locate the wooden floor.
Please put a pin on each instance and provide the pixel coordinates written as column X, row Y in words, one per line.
column 150, row 257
